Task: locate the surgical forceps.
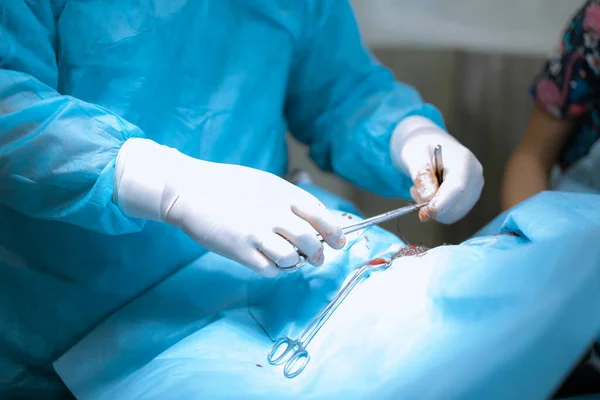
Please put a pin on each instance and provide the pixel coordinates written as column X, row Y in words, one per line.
column 294, row 355
column 438, row 164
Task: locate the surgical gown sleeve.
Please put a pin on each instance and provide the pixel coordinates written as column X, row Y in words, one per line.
column 57, row 153
column 344, row 104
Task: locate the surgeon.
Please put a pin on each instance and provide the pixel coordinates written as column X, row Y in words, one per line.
column 135, row 136
column 564, row 127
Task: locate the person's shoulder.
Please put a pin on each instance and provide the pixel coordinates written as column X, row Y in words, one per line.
column 587, row 17
column 583, row 29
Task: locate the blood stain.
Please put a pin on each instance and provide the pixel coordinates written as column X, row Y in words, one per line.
column 377, row 261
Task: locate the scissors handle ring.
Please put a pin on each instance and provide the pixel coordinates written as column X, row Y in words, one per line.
column 287, row 353
column 297, row 266
column 296, row 363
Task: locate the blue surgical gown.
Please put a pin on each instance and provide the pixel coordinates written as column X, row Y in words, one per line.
column 220, row 80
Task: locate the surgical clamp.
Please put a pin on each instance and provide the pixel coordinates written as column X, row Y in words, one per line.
column 295, row 356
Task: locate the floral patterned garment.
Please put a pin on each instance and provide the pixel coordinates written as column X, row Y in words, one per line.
column 568, row 86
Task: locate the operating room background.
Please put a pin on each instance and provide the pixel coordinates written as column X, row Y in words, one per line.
column 474, row 60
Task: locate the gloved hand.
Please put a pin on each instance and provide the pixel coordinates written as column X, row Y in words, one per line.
column 246, row 215
column 412, row 145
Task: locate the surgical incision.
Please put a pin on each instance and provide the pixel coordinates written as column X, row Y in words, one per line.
column 413, row 250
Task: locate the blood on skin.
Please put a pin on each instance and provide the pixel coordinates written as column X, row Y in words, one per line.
column 377, row 261
column 412, row 250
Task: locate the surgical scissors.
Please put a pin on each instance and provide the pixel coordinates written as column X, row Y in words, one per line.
column 438, row 168
column 294, row 355
column 364, row 224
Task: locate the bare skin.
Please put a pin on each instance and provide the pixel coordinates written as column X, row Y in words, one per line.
column 528, row 170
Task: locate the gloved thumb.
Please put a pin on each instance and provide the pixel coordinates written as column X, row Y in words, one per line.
column 411, row 147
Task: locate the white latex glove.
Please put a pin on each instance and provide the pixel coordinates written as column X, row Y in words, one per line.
column 412, row 145
column 247, row 215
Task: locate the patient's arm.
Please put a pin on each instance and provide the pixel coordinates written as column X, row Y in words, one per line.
column 528, row 170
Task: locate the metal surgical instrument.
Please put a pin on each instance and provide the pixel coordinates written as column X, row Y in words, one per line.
column 438, row 164
column 438, row 168
column 378, row 219
column 364, row 224
column 294, row 354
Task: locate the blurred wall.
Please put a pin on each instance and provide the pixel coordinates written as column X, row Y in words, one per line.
column 507, row 26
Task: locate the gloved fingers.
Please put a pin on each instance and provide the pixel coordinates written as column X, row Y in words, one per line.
column 425, row 213
column 315, row 213
column 458, row 193
column 426, row 183
column 304, row 237
column 451, row 203
column 277, row 249
column 260, row 263
column 441, row 206
column 424, row 189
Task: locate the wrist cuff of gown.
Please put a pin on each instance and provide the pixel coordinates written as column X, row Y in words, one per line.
column 142, row 179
